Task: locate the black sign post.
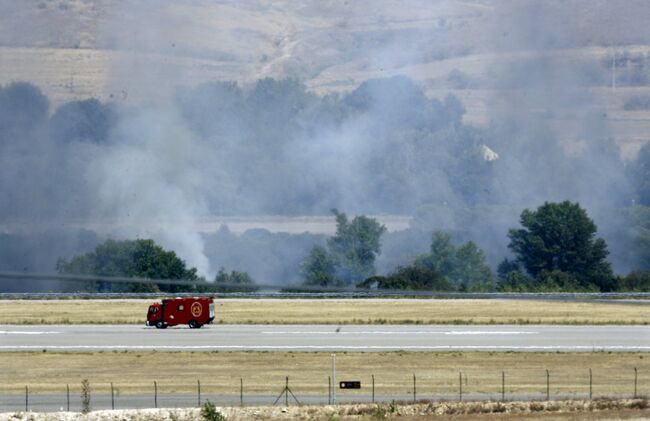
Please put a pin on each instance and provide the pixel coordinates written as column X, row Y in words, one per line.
column 350, row 385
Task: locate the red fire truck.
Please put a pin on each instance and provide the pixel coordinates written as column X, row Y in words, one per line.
column 193, row 311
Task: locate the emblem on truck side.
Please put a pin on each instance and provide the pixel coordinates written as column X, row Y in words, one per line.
column 196, row 309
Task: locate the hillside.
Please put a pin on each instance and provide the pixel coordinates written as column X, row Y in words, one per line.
column 115, row 50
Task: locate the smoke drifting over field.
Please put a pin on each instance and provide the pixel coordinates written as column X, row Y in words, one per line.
column 270, row 146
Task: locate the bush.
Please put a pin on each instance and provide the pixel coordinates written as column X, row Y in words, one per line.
column 85, row 396
column 640, row 404
column 536, row 406
column 379, row 412
column 499, row 408
column 236, row 281
column 209, row 412
column 636, row 281
column 409, row 278
column 392, row 408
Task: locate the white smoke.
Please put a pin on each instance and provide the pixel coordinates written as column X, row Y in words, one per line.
column 149, row 179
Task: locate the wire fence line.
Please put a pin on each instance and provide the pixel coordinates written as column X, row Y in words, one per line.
column 263, row 289
column 284, row 291
column 511, row 385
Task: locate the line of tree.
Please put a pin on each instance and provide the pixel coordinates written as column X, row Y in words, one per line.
column 146, row 260
column 556, row 249
column 235, row 281
column 446, row 267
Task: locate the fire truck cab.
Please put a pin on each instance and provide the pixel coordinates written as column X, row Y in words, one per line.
column 193, row 311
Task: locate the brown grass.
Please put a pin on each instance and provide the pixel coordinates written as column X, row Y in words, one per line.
column 336, row 311
column 264, row 372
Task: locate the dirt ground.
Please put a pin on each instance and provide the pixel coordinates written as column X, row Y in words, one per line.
column 559, row 410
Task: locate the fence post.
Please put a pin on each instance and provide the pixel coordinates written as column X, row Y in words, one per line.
column 503, row 386
column 329, row 390
column 67, row 388
column 112, row 397
column 590, row 384
column 414, row 389
column 635, row 379
column 334, row 379
column 548, row 387
column 373, row 388
column 460, row 386
column 286, row 395
column 241, row 392
column 26, row 399
column 198, row 390
column 155, row 394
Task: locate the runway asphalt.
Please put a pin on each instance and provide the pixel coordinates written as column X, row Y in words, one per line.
column 361, row 338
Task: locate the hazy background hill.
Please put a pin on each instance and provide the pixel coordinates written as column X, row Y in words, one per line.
column 88, row 48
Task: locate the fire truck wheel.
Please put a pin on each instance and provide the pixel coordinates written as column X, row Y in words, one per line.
column 194, row 325
column 160, row 325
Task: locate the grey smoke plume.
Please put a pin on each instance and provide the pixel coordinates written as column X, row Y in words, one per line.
column 395, row 140
column 551, row 132
column 150, row 181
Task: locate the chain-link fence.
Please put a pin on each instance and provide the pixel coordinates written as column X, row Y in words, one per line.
column 443, row 384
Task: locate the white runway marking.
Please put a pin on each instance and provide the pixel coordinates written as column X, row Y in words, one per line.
column 335, row 347
column 25, row 332
column 378, row 332
column 487, row 332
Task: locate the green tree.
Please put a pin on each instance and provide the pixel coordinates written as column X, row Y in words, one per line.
column 638, row 281
column 86, row 120
column 319, row 268
column 462, row 266
column 514, row 281
column 236, row 281
column 133, row 259
column 355, row 246
column 23, row 108
column 350, row 254
column 442, row 257
column 511, row 278
column 471, row 269
column 561, row 237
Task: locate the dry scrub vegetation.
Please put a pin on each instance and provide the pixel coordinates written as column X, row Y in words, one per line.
column 336, row 311
column 558, row 410
column 263, row 373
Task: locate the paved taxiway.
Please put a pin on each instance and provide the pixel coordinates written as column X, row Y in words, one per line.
column 325, row 338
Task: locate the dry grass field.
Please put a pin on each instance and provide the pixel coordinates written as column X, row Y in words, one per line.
column 336, row 311
column 437, row 374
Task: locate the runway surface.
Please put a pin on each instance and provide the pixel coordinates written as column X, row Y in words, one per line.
column 363, row 338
